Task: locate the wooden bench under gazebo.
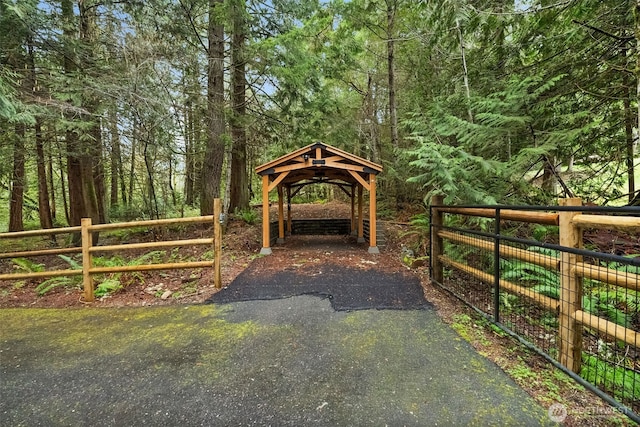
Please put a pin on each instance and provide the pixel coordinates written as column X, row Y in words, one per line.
column 319, row 163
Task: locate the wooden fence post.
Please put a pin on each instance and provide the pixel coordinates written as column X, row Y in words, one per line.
column 437, row 270
column 87, row 260
column 570, row 348
column 217, row 243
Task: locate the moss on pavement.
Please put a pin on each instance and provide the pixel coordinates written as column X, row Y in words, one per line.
column 291, row 361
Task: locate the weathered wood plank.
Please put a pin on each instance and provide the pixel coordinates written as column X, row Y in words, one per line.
column 607, row 221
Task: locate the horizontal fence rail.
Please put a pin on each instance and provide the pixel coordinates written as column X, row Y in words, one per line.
column 86, row 229
column 578, row 307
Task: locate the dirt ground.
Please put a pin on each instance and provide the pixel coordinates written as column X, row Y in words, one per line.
column 241, row 245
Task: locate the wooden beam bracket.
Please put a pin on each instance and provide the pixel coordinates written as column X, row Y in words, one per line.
column 278, row 180
column 360, row 180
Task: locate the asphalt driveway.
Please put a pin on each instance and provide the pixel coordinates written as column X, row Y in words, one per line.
column 283, row 362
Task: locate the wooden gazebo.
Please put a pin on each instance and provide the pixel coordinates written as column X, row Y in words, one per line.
column 314, row 164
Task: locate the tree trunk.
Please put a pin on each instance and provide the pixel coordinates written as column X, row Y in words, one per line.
column 393, row 108
column 637, row 31
column 372, row 134
column 630, row 155
column 500, row 38
column 189, row 156
column 132, row 168
column 74, row 179
column 65, row 203
column 549, row 181
column 228, row 176
column 89, row 191
column 91, row 159
column 44, row 210
column 171, row 186
column 74, row 173
column 199, row 144
column 25, row 74
column 16, row 200
column 570, row 163
column 98, row 181
column 116, row 158
column 51, row 184
column 628, row 130
column 153, row 201
column 465, row 71
column 239, row 191
column 83, row 199
column 214, row 150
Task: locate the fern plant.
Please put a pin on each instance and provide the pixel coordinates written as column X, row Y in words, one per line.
column 528, row 272
column 25, row 265
column 109, row 286
column 75, row 265
column 419, row 228
column 57, row 282
column 625, row 383
column 153, row 257
column 618, row 266
column 614, row 304
column 248, row 215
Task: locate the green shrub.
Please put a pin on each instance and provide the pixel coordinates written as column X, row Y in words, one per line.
column 248, row 215
column 541, row 232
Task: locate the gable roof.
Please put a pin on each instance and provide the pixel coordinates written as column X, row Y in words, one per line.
column 320, row 161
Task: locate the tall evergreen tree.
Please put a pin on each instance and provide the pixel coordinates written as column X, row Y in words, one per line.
column 239, row 191
column 214, row 149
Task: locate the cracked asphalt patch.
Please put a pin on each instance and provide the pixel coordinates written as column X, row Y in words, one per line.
column 347, row 288
column 285, row 362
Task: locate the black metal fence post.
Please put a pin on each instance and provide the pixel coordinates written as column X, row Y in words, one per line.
column 437, row 245
column 496, row 268
column 430, row 240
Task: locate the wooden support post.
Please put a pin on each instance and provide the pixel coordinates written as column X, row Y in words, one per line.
column 353, row 209
column 266, row 244
column 360, row 219
column 87, row 260
column 217, row 243
column 437, row 269
column 289, row 221
column 570, row 348
column 280, row 215
column 373, row 244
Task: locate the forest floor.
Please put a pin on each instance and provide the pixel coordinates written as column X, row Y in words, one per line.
column 241, row 246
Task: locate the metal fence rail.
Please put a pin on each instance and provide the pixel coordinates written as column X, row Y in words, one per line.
column 578, row 307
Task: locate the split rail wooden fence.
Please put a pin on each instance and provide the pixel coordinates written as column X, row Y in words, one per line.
column 572, row 316
column 86, row 229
